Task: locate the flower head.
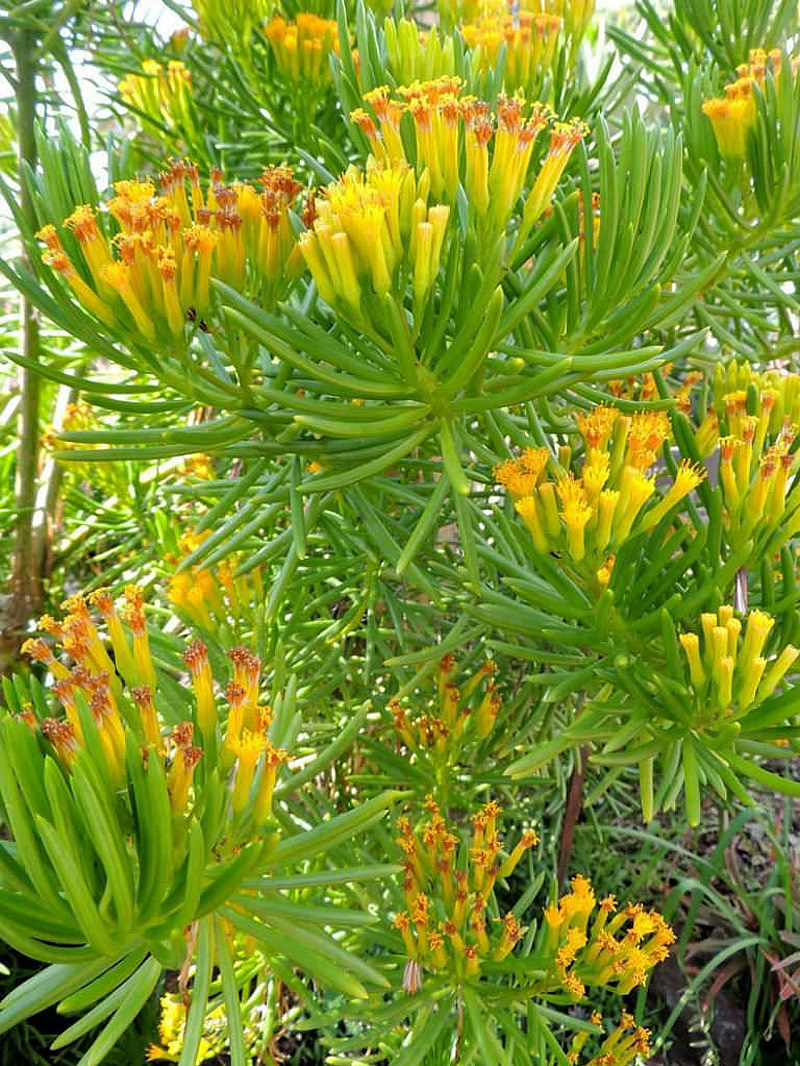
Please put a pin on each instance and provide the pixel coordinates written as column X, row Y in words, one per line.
column 153, row 276
column 455, row 877
column 733, row 117
column 730, row 668
column 302, row 47
column 159, row 94
column 365, row 226
column 584, row 946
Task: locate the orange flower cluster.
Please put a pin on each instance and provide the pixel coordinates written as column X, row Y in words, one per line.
column 772, row 397
column 96, row 690
column 301, row 48
column 729, row 667
column 574, row 15
column 755, row 465
column 154, row 274
column 530, row 42
column 213, row 598
column 448, row 883
column 623, row 1046
column 496, row 153
column 80, row 417
column 733, row 116
column 366, row 227
column 642, row 388
column 589, row 944
column 760, row 62
column 593, row 514
column 159, row 93
column 104, row 701
column 465, row 711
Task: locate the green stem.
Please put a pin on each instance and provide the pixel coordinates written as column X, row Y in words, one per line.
column 26, row 566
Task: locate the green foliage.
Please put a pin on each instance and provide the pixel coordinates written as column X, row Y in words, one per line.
column 487, row 447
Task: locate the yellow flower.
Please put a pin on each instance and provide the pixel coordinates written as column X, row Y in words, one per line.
column 262, row 804
column 596, row 472
column 635, row 489
column 172, row 1026
column 583, row 948
column 563, row 141
column 59, row 262
column 687, row 479
column 159, row 93
column 154, row 275
column 520, row 476
column 576, row 517
column 648, row 430
column 513, row 148
column 247, row 749
column 597, row 425
column 366, row 224
column 63, row 737
column 732, row 117
column 604, row 572
column 301, row 48
column 530, row 41
column 214, row 597
column 196, row 658
column 496, row 153
column 143, row 698
column 184, row 759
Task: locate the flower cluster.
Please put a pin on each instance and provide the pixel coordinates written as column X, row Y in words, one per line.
column 109, row 703
column 496, row 153
column 113, row 479
column 776, row 391
column 368, row 225
column 755, row 463
column 760, row 62
column 728, row 667
column 741, row 377
column 78, row 417
column 620, row 1048
column 733, row 116
column 465, row 712
column 213, row 598
column 155, row 272
column 530, row 42
column 301, row 48
column 172, row 1026
column 449, row 881
column 592, row 514
column 215, row 1039
column 159, row 93
column 640, row 388
column 589, row 944
column 573, row 15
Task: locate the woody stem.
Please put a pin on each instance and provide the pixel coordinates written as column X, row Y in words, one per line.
column 27, row 557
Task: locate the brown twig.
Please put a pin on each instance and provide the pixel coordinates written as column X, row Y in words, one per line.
column 572, row 813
